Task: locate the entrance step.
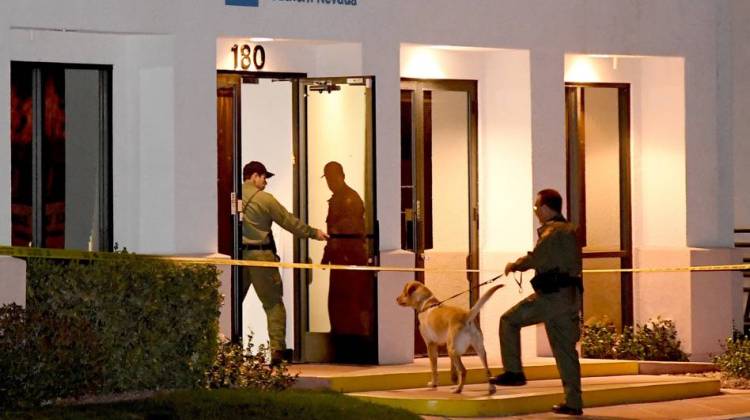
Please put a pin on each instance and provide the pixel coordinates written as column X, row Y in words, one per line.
column 539, row 395
column 347, row 379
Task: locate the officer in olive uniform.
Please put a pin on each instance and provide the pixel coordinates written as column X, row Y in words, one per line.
column 556, row 260
column 260, row 210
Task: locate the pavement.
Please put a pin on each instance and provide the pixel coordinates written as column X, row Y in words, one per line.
column 731, row 404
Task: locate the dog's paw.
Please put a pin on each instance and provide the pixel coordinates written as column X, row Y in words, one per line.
column 458, row 390
column 492, row 390
column 432, row 384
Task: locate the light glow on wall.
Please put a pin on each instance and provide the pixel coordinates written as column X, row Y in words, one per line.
column 423, row 63
column 582, row 70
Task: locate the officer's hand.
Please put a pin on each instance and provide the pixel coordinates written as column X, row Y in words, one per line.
column 509, row 267
column 320, row 235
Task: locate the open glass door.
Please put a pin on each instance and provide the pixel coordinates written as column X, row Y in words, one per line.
column 255, row 121
column 338, row 313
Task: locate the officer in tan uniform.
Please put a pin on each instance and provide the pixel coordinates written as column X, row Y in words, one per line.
column 558, row 289
column 260, row 210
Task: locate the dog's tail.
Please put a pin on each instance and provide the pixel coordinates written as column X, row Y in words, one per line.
column 478, row 306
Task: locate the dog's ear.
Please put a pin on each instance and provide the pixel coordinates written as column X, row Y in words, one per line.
column 412, row 287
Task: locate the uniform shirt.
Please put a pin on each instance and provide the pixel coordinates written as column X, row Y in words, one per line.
column 556, row 248
column 261, row 211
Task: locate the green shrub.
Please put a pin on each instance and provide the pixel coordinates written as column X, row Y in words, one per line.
column 734, row 362
column 655, row 340
column 139, row 323
column 599, row 340
column 43, row 357
column 236, row 367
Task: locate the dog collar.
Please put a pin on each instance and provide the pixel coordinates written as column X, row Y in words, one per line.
column 426, row 307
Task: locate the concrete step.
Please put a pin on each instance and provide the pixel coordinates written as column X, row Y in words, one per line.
column 539, row 395
column 357, row 378
column 376, row 378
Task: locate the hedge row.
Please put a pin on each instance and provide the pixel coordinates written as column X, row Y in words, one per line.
column 120, row 324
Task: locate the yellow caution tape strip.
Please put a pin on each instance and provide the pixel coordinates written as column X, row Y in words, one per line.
column 68, row 254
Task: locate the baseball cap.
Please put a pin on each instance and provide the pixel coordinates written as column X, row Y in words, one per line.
column 255, row 167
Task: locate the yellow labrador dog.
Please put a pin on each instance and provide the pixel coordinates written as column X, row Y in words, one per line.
column 444, row 324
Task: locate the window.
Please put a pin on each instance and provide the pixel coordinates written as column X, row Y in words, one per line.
column 61, row 156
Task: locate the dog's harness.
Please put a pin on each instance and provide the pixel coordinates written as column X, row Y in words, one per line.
column 440, row 302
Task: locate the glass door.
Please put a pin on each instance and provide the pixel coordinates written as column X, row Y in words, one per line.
column 598, row 140
column 439, row 189
column 337, row 193
column 255, row 121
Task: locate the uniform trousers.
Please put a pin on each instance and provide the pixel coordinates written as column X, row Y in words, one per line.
column 268, row 286
column 560, row 313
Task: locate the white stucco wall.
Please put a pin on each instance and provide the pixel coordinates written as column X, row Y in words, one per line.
column 740, row 102
column 511, row 24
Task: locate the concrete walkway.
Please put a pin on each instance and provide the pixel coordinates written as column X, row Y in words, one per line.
column 731, row 404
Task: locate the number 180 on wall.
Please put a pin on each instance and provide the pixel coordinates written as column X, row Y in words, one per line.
column 246, row 57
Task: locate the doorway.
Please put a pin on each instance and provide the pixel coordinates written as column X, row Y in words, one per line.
column 295, row 126
column 439, row 185
column 598, row 171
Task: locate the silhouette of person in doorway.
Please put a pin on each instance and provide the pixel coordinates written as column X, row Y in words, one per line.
column 350, row 296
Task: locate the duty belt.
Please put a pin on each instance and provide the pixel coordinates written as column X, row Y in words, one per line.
column 553, row 281
column 257, row 247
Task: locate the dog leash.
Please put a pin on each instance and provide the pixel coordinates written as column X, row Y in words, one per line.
column 461, row 293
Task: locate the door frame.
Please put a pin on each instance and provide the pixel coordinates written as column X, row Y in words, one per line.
column 233, row 79
column 626, row 239
column 418, row 86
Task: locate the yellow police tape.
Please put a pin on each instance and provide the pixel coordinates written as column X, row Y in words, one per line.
column 68, row 254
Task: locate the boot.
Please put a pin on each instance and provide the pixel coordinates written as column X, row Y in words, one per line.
column 277, row 356
column 509, row 379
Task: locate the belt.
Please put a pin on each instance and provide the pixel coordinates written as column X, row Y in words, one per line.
column 347, row 236
column 257, row 247
column 552, row 282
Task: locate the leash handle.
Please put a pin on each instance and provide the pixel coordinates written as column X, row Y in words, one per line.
column 519, row 282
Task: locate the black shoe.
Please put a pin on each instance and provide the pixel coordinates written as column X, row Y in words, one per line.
column 509, row 379
column 277, row 356
column 564, row 409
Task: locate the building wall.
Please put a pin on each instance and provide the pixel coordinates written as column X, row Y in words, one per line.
column 739, row 95
column 165, row 54
column 196, row 26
